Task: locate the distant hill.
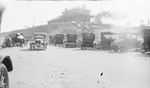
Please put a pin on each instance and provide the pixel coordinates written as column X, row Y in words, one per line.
column 49, row 29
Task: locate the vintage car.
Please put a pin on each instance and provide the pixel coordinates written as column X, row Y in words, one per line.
column 107, row 38
column 5, row 64
column 17, row 40
column 87, row 40
column 59, row 38
column 145, row 44
column 125, row 42
column 51, row 39
column 70, row 40
column 5, row 67
column 38, row 41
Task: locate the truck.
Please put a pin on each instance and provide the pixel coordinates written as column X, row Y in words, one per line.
column 145, row 44
column 59, row 39
column 70, row 40
column 39, row 41
column 87, row 40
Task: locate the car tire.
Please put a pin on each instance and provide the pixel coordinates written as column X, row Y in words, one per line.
column 142, row 48
column 66, row 46
column 82, row 47
column 115, row 48
column 33, row 47
column 4, row 79
column 45, row 46
column 30, row 46
column 93, row 46
column 123, row 47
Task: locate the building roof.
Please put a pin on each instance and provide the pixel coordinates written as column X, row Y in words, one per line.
column 77, row 9
column 40, row 33
column 55, row 18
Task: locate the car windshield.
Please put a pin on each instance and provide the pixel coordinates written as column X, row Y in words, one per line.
column 107, row 36
column 39, row 37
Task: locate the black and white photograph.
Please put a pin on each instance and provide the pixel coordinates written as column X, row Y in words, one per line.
column 74, row 43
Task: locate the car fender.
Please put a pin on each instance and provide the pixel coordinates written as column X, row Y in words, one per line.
column 6, row 60
column 141, row 43
column 116, row 43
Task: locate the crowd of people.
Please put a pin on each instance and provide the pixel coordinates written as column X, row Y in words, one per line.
column 16, row 39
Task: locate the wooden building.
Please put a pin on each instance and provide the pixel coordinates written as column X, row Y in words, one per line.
column 75, row 14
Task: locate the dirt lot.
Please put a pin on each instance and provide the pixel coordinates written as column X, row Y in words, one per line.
column 59, row 67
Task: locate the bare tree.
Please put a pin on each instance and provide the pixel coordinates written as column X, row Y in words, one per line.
column 102, row 15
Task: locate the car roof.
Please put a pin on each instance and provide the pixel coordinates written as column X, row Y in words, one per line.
column 117, row 31
column 39, row 37
column 71, row 34
column 40, row 33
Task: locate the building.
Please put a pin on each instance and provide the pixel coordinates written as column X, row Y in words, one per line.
column 75, row 14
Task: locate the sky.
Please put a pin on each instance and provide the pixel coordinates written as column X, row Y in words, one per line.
column 22, row 14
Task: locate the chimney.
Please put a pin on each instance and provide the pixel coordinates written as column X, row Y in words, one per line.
column 65, row 9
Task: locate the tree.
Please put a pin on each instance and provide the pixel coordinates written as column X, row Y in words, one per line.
column 102, row 15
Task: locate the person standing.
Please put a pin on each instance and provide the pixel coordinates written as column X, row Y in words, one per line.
column 21, row 38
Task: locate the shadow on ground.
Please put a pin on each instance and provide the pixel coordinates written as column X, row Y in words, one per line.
column 143, row 54
column 31, row 50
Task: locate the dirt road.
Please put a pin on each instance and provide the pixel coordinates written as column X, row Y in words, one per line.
column 59, row 67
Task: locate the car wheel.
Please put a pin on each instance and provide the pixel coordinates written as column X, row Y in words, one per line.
column 81, row 47
column 142, row 48
column 4, row 80
column 33, row 47
column 123, row 48
column 93, row 46
column 30, row 46
column 46, row 46
column 115, row 48
column 66, row 46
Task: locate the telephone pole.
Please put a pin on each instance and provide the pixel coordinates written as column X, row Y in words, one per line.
column 33, row 20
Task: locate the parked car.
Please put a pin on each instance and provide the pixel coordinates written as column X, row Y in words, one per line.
column 145, row 44
column 39, row 41
column 59, row 38
column 107, row 38
column 87, row 40
column 5, row 64
column 18, row 39
column 70, row 40
column 51, row 39
column 125, row 42
column 5, row 67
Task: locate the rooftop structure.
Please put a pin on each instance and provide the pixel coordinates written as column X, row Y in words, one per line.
column 75, row 14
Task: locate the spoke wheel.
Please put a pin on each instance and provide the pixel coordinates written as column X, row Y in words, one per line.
column 4, row 80
column 123, row 48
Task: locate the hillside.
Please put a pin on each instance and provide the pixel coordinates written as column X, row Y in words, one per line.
column 53, row 29
column 49, row 29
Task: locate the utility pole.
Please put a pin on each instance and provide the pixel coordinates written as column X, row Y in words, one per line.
column 34, row 20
